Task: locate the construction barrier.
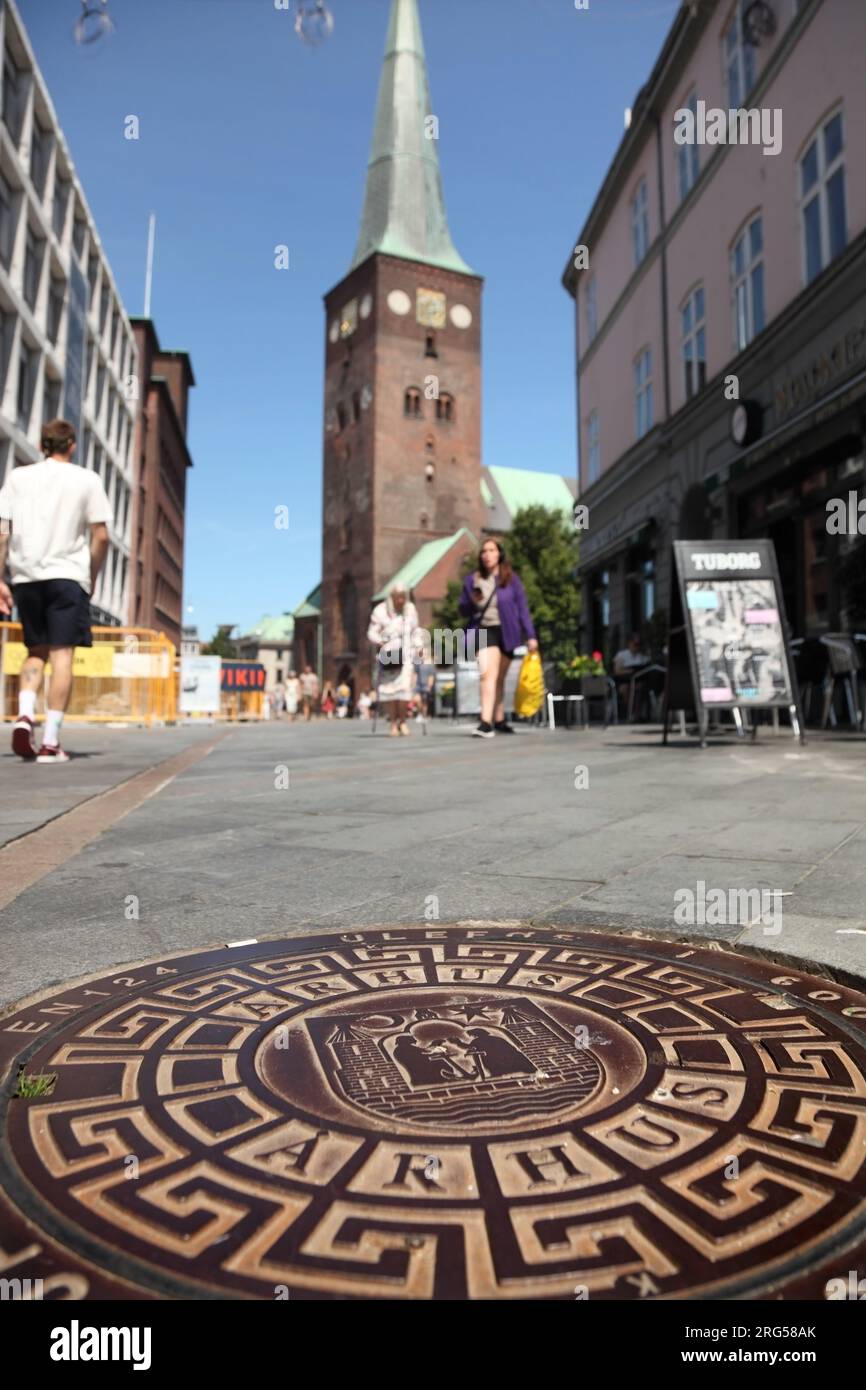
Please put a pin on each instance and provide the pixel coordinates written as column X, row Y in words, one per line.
column 242, row 690
column 128, row 676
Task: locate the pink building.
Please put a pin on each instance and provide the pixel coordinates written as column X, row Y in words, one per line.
column 721, row 318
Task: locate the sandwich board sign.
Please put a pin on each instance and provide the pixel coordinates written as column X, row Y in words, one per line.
column 728, row 644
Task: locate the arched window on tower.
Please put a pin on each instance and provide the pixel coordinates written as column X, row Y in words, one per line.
column 412, row 403
column 445, row 409
column 430, row 348
column 341, row 416
column 348, row 601
column 356, row 406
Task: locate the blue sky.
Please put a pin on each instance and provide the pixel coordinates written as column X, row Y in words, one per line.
column 249, row 139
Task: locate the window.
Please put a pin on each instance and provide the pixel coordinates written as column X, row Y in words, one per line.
column 600, row 608
column 694, row 343
column 33, row 253
column 822, row 198
column 7, row 222
column 7, row 338
column 79, row 232
column 56, row 295
column 92, row 272
column 40, row 154
column 591, row 309
column 14, row 98
column 593, row 453
column 445, row 407
column 62, row 189
column 28, row 362
column 103, row 305
column 356, row 406
column 430, row 347
column 640, row 222
column 100, row 388
column 412, row 403
column 341, row 417
column 739, row 59
column 688, row 160
column 747, row 282
column 51, row 399
column 643, row 393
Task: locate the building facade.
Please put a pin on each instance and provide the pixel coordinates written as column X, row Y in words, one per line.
column 402, row 430
column 720, row 298
column 270, row 644
column 162, row 460
column 66, row 343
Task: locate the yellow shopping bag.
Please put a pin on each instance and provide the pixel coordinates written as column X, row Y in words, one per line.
column 529, row 694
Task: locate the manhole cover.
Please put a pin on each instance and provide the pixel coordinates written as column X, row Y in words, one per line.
column 483, row 1112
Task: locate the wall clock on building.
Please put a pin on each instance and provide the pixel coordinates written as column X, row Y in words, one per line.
column 759, row 22
column 399, row 302
column 460, row 316
column 349, row 319
column 430, row 308
column 745, row 422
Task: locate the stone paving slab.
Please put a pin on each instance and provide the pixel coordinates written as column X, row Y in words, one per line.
column 372, row 829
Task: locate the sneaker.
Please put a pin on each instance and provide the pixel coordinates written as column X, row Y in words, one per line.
column 484, row 730
column 22, row 738
column 52, row 753
column 502, row 727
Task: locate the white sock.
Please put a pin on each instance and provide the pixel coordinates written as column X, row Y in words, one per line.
column 27, row 703
column 53, row 720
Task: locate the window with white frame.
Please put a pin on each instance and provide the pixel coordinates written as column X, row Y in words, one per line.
column 739, row 58
column 7, row 222
column 591, row 309
column 640, row 222
column 822, row 197
column 747, row 283
column 694, row 342
column 688, row 160
column 643, row 393
column 593, row 449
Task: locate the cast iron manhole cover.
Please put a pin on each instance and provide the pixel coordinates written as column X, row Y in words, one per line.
column 440, row 1113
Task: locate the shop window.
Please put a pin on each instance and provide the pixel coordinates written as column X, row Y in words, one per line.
column 694, row 343
column 688, row 156
column 643, row 393
column 412, row 403
column 641, row 579
column 593, row 449
column 640, row 222
column 600, row 608
column 739, row 59
column 822, row 198
column 747, row 283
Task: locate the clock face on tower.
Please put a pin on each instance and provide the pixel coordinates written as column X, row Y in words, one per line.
column 430, row 308
column 349, row 318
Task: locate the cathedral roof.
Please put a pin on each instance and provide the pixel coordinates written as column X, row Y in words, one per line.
column 422, row 563
column 404, row 210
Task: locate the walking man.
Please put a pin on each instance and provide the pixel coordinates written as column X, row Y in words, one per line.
column 53, row 529
column 309, row 691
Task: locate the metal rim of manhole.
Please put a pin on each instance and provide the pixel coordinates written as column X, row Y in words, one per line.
column 471, row 1112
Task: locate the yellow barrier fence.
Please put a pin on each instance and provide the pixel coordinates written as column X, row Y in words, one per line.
column 128, row 676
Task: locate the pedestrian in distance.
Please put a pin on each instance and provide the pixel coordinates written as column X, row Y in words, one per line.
column 494, row 601
column 309, row 692
column 293, row 696
column 398, row 640
column 54, row 532
column 329, row 701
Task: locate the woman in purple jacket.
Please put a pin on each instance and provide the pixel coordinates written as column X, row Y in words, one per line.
column 494, row 600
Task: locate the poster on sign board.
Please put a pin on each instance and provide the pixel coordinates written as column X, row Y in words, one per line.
column 728, row 646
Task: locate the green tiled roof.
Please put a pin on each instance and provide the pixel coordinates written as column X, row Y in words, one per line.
column 268, row 629
column 422, row 562
column 311, row 606
column 523, row 487
column 404, row 210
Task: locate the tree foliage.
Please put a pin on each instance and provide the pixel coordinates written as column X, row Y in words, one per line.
column 542, row 547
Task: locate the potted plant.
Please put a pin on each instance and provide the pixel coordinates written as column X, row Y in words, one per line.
column 573, row 673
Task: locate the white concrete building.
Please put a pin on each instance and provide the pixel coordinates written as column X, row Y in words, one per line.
column 66, row 345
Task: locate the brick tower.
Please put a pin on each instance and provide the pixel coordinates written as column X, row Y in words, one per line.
column 402, row 441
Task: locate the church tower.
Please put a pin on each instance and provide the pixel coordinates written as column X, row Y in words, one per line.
column 402, row 442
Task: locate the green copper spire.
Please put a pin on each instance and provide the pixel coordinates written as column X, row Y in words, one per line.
column 404, row 211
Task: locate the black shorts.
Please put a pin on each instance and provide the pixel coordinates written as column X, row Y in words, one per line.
column 494, row 638
column 53, row 613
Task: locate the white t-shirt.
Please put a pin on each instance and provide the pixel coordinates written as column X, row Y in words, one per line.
column 52, row 506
